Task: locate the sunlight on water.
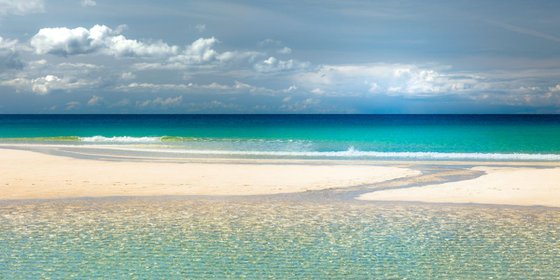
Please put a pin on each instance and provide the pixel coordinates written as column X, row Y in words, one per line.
column 182, row 238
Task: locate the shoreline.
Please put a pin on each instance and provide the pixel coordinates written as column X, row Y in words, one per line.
column 64, row 177
column 68, row 171
column 131, row 152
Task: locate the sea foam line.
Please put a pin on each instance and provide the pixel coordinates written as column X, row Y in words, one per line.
column 349, row 153
column 121, row 139
column 353, row 153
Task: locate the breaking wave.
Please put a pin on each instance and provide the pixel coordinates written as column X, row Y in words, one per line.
column 351, row 152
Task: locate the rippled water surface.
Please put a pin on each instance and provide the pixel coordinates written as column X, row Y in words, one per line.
column 198, row 238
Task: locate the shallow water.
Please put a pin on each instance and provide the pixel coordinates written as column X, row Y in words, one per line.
column 177, row 238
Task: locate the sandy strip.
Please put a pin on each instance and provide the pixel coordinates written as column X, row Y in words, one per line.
column 29, row 175
column 508, row 186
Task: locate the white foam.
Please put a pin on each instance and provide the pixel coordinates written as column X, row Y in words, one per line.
column 121, row 139
column 353, row 153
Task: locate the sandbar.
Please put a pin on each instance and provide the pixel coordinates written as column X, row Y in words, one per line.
column 34, row 175
column 523, row 186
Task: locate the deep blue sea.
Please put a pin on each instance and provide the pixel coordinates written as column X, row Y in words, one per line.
column 500, row 137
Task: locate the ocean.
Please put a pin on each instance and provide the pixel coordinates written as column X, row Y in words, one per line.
column 438, row 137
column 311, row 235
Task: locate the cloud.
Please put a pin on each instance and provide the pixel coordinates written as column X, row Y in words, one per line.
column 276, row 45
column 555, row 88
column 388, row 79
column 94, row 100
column 128, row 76
column 21, row 7
column 72, row 105
column 273, row 64
column 78, row 66
column 236, row 87
column 200, row 27
column 200, row 53
column 500, row 88
column 9, row 56
column 299, row 106
column 269, row 43
column 162, row 102
column 285, row 50
column 102, row 39
column 88, row 3
column 43, row 85
column 64, row 41
column 212, row 106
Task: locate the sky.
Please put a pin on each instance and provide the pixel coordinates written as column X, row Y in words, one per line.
column 320, row 56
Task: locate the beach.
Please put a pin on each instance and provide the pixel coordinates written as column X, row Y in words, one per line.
column 499, row 185
column 35, row 175
column 32, row 175
column 89, row 207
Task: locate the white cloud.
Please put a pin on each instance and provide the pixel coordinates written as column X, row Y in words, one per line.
column 236, row 87
column 100, row 38
column 128, row 76
column 317, row 91
column 174, row 87
column 163, row 102
column 8, row 44
column 37, row 64
column 21, row 7
column 9, row 57
column 199, row 51
column 201, row 54
column 555, row 88
column 273, row 64
column 88, row 3
column 389, row 79
column 530, row 88
column 79, row 66
column 203, row 51
column 44, row 84
column 274, row 45
column 41, row 76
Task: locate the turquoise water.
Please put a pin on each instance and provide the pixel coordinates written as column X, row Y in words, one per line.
column 182, row 238
column 289, row 236
column 386, row 136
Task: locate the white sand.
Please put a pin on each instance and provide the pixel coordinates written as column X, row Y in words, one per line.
column 510, row 186
column 28, row 175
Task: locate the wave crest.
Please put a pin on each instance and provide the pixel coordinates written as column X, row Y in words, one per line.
column 121, row 139
column 351, row 152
